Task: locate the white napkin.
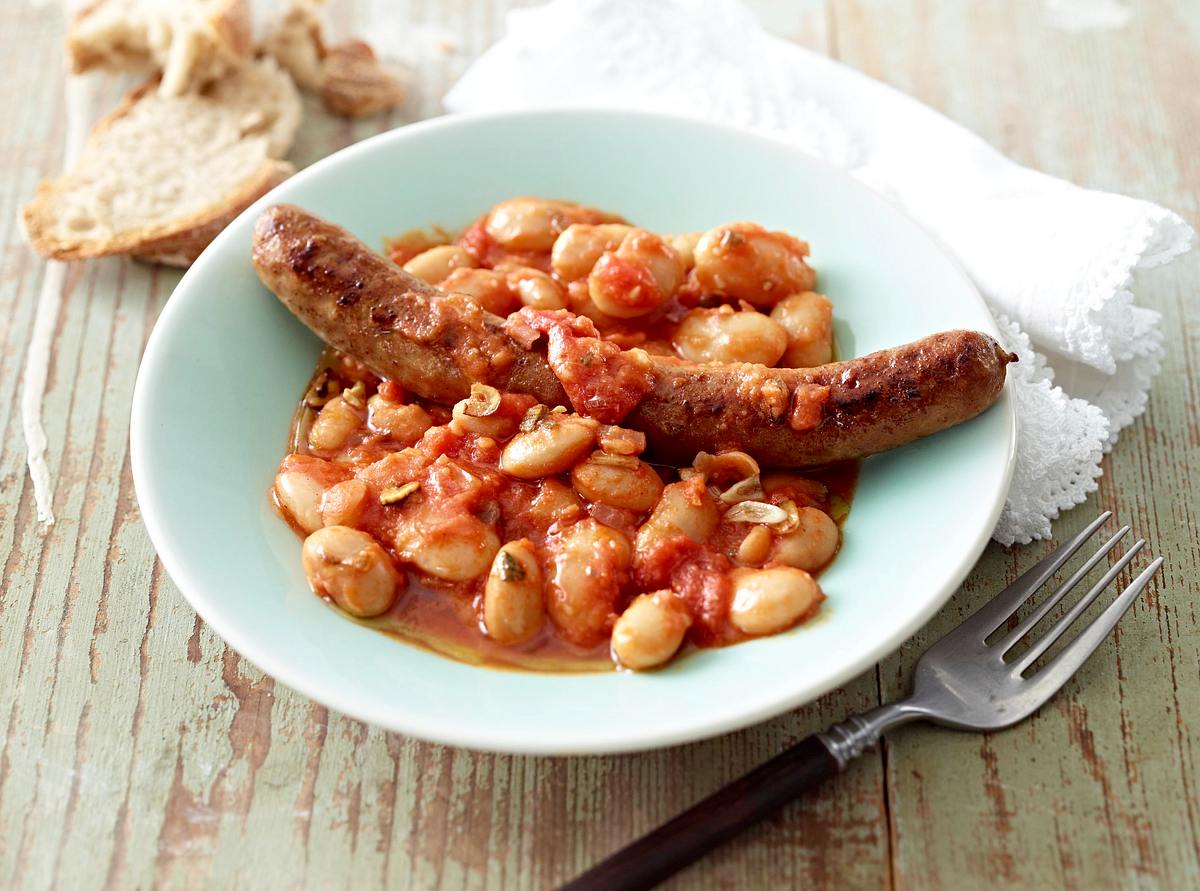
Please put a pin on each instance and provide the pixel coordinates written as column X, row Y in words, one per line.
column 1054, row 261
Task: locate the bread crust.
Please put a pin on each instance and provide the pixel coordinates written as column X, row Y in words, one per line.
column 230, row 24
column 235, row 26
column 177, row 242
column 84, row 56
column 199, row 57
column 183, row 247
column 354, row 84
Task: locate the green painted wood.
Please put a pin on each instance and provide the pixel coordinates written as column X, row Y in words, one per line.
column 1099, row 789
column 137, row 751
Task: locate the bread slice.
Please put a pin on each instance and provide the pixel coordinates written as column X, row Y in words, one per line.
column 160, row 176
column 181, row 248
column 193, row 42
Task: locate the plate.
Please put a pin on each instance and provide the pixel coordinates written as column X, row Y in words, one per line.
column 226, row 364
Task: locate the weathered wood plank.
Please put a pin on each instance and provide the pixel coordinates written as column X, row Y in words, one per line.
column 1098, row 790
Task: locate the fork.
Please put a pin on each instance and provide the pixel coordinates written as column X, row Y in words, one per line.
column 962, row 681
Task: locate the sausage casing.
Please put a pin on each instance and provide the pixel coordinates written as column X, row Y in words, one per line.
column 437, row 344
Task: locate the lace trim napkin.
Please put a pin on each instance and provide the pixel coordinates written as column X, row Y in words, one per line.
column 1054, row 261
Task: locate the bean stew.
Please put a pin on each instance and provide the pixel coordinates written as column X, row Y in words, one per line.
column 505, row 532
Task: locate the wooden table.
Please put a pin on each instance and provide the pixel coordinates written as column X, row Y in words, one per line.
column 136, row 750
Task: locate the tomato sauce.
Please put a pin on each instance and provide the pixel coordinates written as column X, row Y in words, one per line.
column 443, row 480
column 459, row 474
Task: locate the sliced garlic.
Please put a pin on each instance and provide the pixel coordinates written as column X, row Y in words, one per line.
column 757, row 512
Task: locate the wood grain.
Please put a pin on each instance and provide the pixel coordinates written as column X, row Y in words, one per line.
column 137, row 751
column 1098, row 790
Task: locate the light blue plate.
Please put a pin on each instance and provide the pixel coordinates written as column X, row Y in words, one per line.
column 226, row 364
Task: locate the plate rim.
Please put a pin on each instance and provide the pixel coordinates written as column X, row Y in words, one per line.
column 395, row 718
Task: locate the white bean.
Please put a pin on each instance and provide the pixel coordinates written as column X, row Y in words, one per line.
column 459, row 549
column 487, row 287
column 533, row 224
column 746, row 262
column 725, row 335
column 618, row 481
column 535, row 289
column 637, row 278
column 350, row 567
column 344, row 503
column 435, row 264
column 589, row 566
column 766, row 601
column 399, row 422
column 580, row 246
column 333, row 425
column 513, row 604
column 755, row 547
column 685, row 246
column 685, row 508
column 556, row 443
column 580, row 302
column 808, row 320
column 497, row 426
column 300, row 496
column 650, row 631
column 811, row 545
column 555, row 503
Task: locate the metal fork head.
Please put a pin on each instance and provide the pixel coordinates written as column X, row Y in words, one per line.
column 963, row 681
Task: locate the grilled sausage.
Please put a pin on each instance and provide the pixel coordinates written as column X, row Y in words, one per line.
column 437, row 344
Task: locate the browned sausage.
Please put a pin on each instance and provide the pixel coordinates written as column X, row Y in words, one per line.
column 437, row 344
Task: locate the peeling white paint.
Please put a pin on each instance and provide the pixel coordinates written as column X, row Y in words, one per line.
column 37, row 358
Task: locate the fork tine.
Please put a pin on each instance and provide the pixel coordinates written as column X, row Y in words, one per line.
column 988, row 617
column 1050, row 678
column 1059, row 628
column 1005, row 643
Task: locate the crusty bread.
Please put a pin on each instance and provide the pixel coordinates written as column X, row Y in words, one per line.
column 181, row 248
column 111, row 35
column 349, row 78
column 354, row 83
column 160, row 176
column 294, row 38
column 193, row 42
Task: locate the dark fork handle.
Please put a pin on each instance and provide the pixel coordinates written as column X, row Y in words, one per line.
column 711, row 822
